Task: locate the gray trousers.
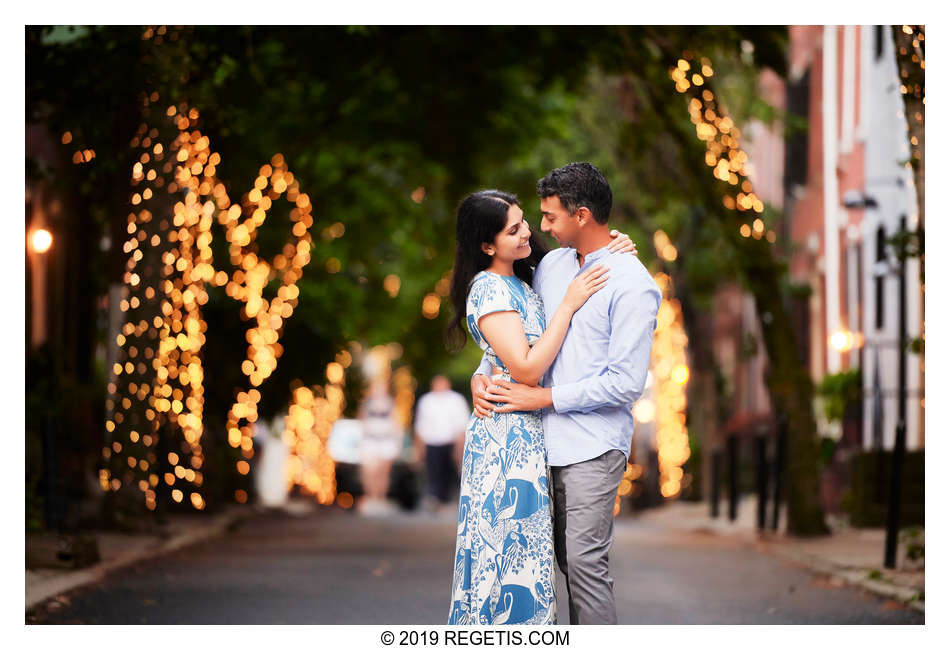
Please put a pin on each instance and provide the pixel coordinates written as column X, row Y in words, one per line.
column 584, row 495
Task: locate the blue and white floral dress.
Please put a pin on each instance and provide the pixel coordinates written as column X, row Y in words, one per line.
column 504, row 554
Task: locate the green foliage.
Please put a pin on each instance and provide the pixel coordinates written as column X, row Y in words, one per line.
column 913, row 540
column 837, row 391
column 365, row 115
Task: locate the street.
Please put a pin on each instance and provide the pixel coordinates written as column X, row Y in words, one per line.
column 331, row 566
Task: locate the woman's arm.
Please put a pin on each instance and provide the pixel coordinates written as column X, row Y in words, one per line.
column 504, row 332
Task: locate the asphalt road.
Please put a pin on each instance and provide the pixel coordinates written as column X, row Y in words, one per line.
column 334, row 566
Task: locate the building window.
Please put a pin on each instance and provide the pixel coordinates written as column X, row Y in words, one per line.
column 796, row 142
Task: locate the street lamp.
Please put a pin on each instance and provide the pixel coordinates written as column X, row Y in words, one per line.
column 41, row 240
column 841, row 340
column 845, row 340
column 882, row 269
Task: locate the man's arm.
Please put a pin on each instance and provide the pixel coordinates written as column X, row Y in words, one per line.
column 633, row 321
column 479, row 383
column 484, row 368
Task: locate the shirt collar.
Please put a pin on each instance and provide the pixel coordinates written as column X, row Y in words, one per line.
column 593, row 256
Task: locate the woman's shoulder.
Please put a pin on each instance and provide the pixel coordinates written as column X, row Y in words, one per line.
column 489, row 288
column 486, row 281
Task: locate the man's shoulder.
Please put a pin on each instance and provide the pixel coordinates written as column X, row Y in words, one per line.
column 636, row 277
column 630, row 267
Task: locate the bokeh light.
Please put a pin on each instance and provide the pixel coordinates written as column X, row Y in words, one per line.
column 41, row 240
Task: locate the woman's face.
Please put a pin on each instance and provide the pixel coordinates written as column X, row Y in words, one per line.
column 512, row 242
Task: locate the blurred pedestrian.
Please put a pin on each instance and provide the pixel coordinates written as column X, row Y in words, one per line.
column 380, row 445
column 270, row 473
column 441, row 418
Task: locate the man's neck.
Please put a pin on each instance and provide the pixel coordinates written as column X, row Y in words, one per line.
column 593, row 241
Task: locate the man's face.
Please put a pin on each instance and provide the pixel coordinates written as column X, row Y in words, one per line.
column 558, row 222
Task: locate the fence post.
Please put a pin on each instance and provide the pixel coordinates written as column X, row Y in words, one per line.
column 732, row 451
column 762, row 481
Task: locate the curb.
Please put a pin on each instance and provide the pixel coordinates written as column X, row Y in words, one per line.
column 853, row 576
column 61, row 584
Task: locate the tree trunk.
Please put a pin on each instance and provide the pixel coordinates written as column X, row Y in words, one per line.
column 790, row 388
column 789, row 385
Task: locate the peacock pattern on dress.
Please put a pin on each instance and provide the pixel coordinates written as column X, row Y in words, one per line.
column 504, row 553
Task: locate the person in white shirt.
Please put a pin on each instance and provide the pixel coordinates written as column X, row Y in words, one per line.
column 441, row 419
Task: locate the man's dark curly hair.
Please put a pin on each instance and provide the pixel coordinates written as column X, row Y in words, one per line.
column 579, row 185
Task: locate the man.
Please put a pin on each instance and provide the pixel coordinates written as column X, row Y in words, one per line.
column 441, row 418
column 588, row 392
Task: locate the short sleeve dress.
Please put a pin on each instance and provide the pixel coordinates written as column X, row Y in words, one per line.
column 504, row 553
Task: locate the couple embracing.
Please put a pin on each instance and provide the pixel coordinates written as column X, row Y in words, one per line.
column 567, row 335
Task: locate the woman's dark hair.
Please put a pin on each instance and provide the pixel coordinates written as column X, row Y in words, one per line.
column 481, row 216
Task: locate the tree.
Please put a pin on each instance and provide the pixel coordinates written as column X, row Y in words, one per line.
column 631, row 123
column 386, row 128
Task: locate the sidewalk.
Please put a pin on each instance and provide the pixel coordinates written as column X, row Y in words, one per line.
column 117, row 550
column 853, row 556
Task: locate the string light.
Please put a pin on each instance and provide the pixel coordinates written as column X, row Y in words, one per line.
column 307, row 427
column 431, row 305
column 168, row 392
column 170, row 330
column 670, row 375
column 667, row 407
column 432, row 302
column 722, row 137
column 252, row 275
column 392, row 284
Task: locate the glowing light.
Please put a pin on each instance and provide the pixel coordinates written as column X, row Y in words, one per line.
column 307, row 428
column 392, row 284
column 431, row 305
column 334, row 373
column 41, row 240
column 680, row 374
column 667, row 409
column 842, row 340
column 172, row 334
column 644, row 410
column 723, row 153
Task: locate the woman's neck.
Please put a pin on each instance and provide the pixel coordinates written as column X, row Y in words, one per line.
column 501, row 268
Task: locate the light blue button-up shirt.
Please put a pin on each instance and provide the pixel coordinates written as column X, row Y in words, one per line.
column 602, row 366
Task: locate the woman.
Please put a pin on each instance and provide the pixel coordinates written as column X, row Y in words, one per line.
column 380, row 445
column 504, row 557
